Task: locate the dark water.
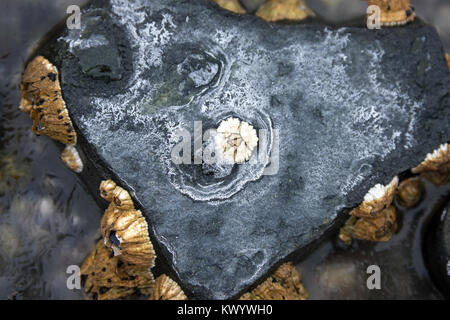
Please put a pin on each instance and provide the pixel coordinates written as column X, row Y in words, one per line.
column 48, row 221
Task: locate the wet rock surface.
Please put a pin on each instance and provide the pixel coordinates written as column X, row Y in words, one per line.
column 346, row 108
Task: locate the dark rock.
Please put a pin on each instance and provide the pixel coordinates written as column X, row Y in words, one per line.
column 437, row 249
column 348, row 108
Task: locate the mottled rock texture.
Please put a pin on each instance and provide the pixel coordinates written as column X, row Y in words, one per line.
column 346, row 107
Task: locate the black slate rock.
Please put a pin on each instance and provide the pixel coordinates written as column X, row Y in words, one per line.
column 347, row 108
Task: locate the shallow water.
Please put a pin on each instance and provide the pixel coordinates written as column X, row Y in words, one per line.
column 48, row 221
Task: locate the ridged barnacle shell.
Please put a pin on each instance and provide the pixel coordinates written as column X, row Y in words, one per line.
column 235, row 140
column 231, row 5
column 106, row 189
column 410, row 191
column 278, row 10
column 376, row 199
column 439, row 160
column 436, row 166
column 283, row 284
column 378, row 228
column 72, row 159
column 122, row 199
column 126, row 232
column 394, row 12
column 107, row 277
column 167, row 289
column 42, row 100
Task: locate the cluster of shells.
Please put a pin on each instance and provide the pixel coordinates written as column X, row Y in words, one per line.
column 42, row 100
column 120, row 265
column 375, row 218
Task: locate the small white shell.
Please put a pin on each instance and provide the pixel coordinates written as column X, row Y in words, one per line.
column 235, row 140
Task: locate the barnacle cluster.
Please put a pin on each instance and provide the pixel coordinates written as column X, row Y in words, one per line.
column 42, row 100
column 278, row 10
column 120, row 265
column 394, row 12
column 231, row 5
column 436, row 166
column 124, row 229
column 235, row 140
column 106, row 277
column 283, row 284
column 375, row 218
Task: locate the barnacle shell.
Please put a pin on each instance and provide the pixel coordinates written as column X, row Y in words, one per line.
column 277, row 10
column 379, row 228
column 122, row 199
column 231, row 5
column 42, row 100
column 107, row 277
column 235, row 140
column 72, row 159
column 126, row 232
column 376, row 199
column 439, row 160
column 106, row 189
column 436, row 166
column 409, row 192
column 394, row 12
column 283, row 284
column 167, row 289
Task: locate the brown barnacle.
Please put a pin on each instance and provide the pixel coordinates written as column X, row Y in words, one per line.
column 378, row 228
column 72, row 159
column 436, row 166
column 231, row 5
column 447, row 57
column 122, row 199
column 283, row 284
column 106, row 277
column 167, row 289
column 346, row 232
column 376, row 199
column 410, row 192
column 42, row 100
column 394, row 12
column 279, row 10
column 106, row 189
column 126, row 232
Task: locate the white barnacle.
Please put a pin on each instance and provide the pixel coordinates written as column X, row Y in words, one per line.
column 436, row 161
column 235, row 140
column 376, row 199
